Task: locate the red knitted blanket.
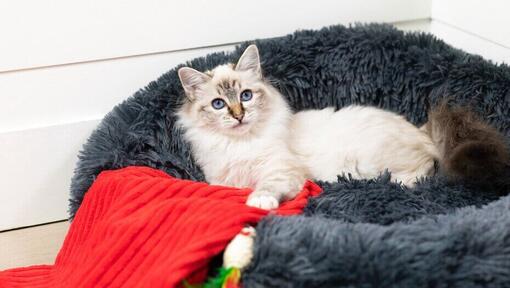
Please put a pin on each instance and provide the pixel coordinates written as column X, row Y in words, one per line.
column 139, row 227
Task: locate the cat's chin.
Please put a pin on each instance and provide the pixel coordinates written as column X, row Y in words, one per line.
column 239, row 129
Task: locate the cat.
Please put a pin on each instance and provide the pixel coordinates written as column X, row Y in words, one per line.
column 244, row 134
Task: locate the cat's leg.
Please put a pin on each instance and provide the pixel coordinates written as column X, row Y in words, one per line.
column 410, row 177
column 281, row 184
column 406, row 178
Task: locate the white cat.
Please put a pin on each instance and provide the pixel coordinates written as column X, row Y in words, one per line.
column 244, row 134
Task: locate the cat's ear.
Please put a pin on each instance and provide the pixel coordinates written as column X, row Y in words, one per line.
column 192, row 79
column 250, row 61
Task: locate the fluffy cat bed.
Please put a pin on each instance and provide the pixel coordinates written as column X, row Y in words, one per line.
column 370, row 233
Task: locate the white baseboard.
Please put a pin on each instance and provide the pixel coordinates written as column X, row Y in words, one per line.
column 36, row 171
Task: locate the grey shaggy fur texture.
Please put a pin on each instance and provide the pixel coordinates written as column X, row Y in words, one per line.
column 358, row 233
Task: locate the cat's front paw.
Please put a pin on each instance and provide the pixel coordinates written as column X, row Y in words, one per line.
column 262, row 201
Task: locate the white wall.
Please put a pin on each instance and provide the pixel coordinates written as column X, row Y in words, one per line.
column 75, row 31
column 470, row 42
column 477, row 26
column 64, row 64
column 488, row 19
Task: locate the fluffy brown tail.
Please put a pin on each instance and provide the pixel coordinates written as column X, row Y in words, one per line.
column 471, row 151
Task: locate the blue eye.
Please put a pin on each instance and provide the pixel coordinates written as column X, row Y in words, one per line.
column 218, row 103
column 246, row 95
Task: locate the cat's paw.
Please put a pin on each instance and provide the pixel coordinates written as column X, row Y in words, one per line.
column 266, row 202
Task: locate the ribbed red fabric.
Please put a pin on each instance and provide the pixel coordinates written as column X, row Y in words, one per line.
column 139, row 227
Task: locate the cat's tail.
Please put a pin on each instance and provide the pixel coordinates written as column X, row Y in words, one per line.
column 470, row 150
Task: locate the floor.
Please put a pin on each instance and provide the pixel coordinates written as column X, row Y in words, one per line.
column 34, row 245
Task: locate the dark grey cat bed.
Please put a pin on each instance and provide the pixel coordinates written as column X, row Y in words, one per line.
column 369, row 233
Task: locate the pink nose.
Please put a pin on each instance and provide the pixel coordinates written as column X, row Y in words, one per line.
column 239, row 117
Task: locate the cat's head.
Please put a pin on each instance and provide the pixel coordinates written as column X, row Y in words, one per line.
column 230, row 99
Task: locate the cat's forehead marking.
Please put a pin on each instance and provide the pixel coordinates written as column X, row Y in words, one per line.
column 228, row 87
column 228, row 84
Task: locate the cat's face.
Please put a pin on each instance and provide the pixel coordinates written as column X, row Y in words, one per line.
column 232, row 100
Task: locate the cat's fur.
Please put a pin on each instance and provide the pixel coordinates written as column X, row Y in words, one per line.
column 471, row 151
column 261, row 144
